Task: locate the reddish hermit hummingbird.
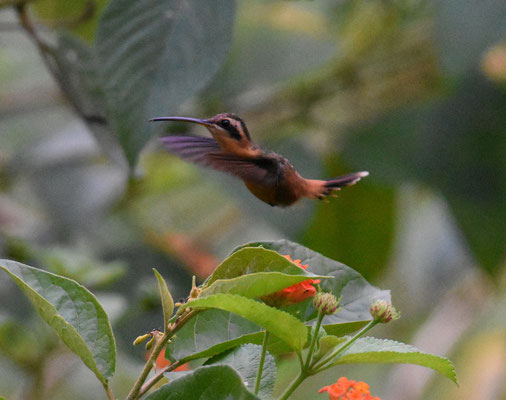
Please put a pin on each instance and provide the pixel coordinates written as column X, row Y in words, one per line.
column 268, row 175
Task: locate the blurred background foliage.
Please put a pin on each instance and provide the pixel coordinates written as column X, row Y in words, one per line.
column 414, row 91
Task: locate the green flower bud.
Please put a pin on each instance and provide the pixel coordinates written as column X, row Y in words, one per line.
column 141, row 339
column 150, row 343
column 325, row 303
column 382, row 311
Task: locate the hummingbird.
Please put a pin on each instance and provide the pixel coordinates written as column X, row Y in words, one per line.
column 268, row 175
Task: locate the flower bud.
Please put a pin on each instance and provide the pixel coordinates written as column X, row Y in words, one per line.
column 326, row 303
column 150, row 343
column 141, row 339
column 382, row 311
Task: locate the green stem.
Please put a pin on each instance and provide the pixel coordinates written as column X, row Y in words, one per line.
column 134, row 393
column 314, row 339
column 320, row 366
column 294, row 385
column 262, row 360
column 159, row 375
column 108, row 391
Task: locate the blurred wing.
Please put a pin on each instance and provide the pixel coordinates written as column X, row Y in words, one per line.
column 206, row 151
column 191, row 148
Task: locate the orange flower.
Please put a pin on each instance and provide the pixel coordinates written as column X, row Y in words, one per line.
column 346, row 389
column 292, row 294
column 161, row 362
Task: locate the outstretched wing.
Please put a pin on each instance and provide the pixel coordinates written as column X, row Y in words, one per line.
column 206, row 151
column 191, row 148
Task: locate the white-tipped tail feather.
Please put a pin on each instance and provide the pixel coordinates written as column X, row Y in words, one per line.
column 321, row 188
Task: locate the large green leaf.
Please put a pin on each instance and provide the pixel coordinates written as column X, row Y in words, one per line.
column 245, row 360
column 218, row 382
column 154, row 55
column 373, row 350
column 73, row 312
column 256, row 284
column 279, row 323
column 214, row 331
column 76, row 70
column 254, row 272
column 211, row 332
column 247, row 260
column 357, row 294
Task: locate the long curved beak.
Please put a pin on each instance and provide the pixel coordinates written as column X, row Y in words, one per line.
column 204, row 122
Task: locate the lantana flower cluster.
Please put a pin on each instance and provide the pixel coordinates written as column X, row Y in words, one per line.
column 345, row 389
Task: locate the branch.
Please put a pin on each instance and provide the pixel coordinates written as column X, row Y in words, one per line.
column 135, row 392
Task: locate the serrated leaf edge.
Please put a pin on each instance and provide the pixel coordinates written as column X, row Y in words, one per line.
column 452, row 376
column 93, row 368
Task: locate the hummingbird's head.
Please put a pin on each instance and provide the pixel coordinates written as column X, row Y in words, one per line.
column 228, row 126
column 228, row 129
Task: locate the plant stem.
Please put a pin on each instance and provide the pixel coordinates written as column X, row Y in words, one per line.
column 134, row 393
column 320, row 366
column 261, row 363
column 314, row 339
column 159, row 375
column 108, row 391
column 294, row 385
column 26, row 23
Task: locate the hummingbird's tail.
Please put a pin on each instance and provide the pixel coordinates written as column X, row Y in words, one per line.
column 345, row 180
column 318, row 189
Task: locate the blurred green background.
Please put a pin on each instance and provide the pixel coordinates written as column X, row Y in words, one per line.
column 413, row 91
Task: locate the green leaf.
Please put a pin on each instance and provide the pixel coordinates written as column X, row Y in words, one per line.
column 248, row 260
column 345, row 328
column 73, row 312
column 245, row 360
column 214, row 331
column 156, row 54
column 326, row 344
column 357, row 294
column 80, row 16
column 279, row 323
column 78, row 76
column 211, row 332
column 167, row 301
column 373, row 350
column 218, row 382
column 256, row 284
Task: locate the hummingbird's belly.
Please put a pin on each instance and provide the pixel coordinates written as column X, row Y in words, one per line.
column 273, row 195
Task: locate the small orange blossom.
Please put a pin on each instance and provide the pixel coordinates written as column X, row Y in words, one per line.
column 161, row 362
column 292, row 294
column 345, row 389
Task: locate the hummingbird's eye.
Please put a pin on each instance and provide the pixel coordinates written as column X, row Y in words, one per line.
column 225, row 123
